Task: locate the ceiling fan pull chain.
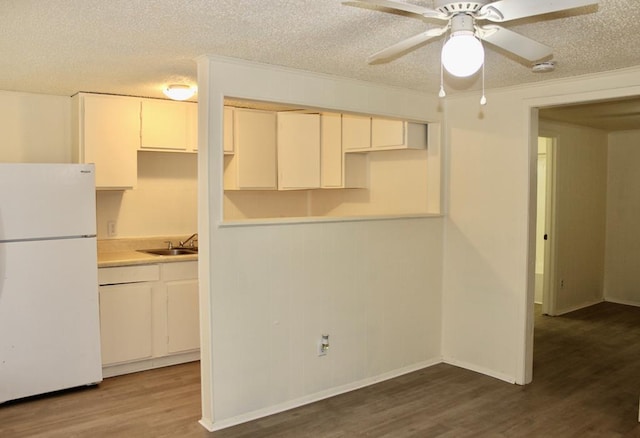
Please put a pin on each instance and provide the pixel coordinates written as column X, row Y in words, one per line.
column 483, row 99
column 441, row 93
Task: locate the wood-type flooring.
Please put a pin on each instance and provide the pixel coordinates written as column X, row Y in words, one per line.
column 586, row 384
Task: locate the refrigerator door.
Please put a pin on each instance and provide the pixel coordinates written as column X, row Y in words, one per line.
column 39, row 201
column 49, row 323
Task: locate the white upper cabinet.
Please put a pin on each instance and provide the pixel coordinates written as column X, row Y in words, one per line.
column 106, row 131
column 228, row 130
column 338, row 170
column 397, row 134
column 356, row 132
column 362, row 134
column 168, row 125
column 253, row 164
column 385, row 132
column 331, row 157
column 298, row 139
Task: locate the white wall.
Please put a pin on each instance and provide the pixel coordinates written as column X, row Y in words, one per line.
column 580, row 210
column 398, row 182
column 36, row 128
column 269, row 291
column 373, row 286
column 489, row 249
column 252, row 204
column 622, row 277
column 163, row 203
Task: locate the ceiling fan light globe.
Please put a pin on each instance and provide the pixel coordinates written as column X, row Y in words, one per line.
column 462, row 54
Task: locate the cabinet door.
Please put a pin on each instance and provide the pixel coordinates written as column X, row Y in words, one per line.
column 253, row 165
column 125, row 322
column 330, row 150
column 386, row 133
column 110, row 134
column 356, row 132
column 164, row 125
column 397, row 134
column 228, row 130
column 298, row 151
column 183, row 327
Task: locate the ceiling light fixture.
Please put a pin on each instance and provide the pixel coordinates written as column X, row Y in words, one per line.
column 462, row 54
column 179, row 91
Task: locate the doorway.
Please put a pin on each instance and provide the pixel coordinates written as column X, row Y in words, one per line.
column 544, row 293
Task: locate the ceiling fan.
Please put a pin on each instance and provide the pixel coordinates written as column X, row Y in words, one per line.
column 462, row 19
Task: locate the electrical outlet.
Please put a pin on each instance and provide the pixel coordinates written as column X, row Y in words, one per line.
column 111, row 229
column 323, row 345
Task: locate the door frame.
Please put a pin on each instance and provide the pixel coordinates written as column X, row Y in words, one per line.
column 531, row 106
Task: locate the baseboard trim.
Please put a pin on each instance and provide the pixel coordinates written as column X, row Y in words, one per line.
column 578, row 307
column 477, row 369
column 331, row 392
column 207, row 424
column 625, row 302
column 149, row 364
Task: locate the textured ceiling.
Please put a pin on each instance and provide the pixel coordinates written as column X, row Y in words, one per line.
column 133, row 47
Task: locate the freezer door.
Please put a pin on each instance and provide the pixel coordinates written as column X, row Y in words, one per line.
column 46, row 200
column 49, row 318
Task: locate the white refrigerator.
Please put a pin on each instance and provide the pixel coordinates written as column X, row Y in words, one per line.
column 49, row 317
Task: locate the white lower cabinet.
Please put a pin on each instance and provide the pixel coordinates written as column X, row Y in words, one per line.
column 183, row 326
column 148, row 316
column 183, row 329
column 125, row 322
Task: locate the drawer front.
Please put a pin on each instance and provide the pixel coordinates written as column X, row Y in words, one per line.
column 180, row 271
column 128, row 274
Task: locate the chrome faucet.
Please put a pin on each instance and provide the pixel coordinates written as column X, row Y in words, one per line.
column 192, row 239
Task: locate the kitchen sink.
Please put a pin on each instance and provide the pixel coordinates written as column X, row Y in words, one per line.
column 170, row 251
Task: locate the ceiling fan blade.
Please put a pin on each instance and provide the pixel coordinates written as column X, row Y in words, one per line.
column 505, row 10
column 401, row 6
column 514, row 42
column 404, row 46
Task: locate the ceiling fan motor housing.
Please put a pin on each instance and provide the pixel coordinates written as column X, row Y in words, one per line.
column 449, row 8
column 462, row 22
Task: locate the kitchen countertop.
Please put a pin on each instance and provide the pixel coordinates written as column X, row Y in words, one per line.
column 125, row 258
column 124, row 252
